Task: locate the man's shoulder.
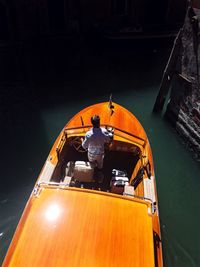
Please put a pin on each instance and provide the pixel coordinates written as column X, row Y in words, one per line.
column 107, row 133
column 89, row 133
column 104, row 131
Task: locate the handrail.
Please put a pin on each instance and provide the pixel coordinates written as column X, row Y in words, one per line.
column 107, row 125
column 66, row 186
column 136, row 142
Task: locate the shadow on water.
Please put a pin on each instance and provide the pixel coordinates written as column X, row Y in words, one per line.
column 178, row 190
column 33, row 113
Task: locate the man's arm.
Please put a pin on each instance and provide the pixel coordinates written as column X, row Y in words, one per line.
column 108, row 136
column 85, row 142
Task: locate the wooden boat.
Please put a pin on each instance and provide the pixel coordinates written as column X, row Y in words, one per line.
column 73, row 220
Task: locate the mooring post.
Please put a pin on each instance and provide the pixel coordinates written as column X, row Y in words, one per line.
column 196, row 36
column 168, row 74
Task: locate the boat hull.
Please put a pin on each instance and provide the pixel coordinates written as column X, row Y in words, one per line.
column 68, row 226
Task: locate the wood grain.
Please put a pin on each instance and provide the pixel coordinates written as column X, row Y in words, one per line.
column 81, row 228
column 84, row 229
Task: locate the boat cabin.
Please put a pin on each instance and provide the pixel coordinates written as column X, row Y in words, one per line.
column 125, row 170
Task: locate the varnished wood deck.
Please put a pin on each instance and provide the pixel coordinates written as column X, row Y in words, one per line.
column 76, row 228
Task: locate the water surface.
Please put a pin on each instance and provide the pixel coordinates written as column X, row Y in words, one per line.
column 33, row 117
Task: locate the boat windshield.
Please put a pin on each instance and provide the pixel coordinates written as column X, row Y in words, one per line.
column 122, row 134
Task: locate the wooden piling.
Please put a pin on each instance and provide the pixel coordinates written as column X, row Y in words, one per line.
column 168, row 74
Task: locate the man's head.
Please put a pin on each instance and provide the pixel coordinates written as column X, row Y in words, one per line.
column 95, row 120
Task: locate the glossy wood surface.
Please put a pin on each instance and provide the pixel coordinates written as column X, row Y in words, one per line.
column 119, row 117
column 77, row 228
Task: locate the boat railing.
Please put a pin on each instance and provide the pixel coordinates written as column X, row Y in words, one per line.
column 40, row 185
column 117, row 131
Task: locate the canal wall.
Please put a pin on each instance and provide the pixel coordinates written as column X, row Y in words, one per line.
column 183, row 109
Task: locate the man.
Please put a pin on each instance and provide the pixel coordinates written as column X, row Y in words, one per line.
column 94, row 142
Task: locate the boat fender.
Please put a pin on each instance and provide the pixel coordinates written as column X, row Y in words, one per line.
column 138, row 178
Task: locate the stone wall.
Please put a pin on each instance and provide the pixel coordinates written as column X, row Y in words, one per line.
column 183, row 109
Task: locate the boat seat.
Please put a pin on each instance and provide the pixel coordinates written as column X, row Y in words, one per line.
column 83, row 171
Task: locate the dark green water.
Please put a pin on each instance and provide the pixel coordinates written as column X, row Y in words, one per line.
column 37, row 116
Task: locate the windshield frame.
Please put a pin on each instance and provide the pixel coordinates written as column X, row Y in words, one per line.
column 131, row 137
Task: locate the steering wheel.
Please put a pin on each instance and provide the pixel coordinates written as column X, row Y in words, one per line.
column 77, row 144
column 110, row 129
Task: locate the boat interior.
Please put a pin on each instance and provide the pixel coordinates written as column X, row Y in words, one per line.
column 113, row 159
column 123, row 165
